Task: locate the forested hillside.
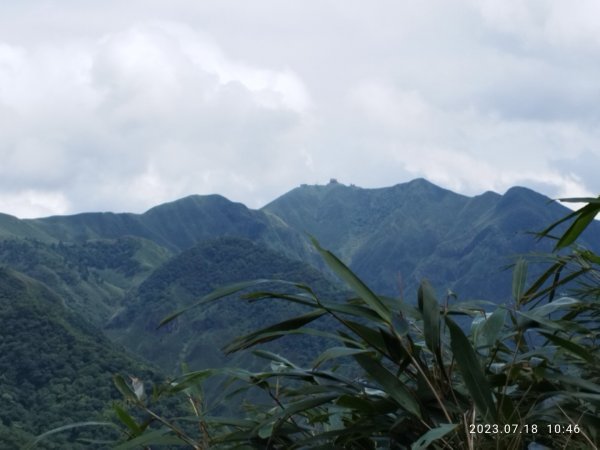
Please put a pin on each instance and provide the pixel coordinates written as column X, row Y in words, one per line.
column 55, row 368
column 91, row 277
column 198, row 338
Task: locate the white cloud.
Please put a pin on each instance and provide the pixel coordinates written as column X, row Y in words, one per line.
column 114, row 107
column 545, row 22
column 140, row 116
column 31, row 203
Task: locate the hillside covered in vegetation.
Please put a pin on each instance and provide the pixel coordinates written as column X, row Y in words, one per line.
column 83, row 295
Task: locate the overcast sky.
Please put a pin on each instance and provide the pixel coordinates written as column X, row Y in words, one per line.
column 118, row 106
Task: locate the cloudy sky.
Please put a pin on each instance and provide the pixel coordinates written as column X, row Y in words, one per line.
column 112, row 105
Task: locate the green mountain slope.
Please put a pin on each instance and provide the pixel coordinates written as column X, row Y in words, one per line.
column 197, row 337
column 94, row 259
column 393, row 237
column 91, row 277
column 12, row 227
column 55, row 368
column 178, row 225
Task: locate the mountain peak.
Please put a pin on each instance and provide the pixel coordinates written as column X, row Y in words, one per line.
column 191, row 201
column 520, row 193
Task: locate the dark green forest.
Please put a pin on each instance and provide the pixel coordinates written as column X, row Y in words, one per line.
column 55, row 368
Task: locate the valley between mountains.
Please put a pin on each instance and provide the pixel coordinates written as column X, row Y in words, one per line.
column 81, row 296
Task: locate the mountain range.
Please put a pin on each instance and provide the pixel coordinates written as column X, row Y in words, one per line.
column 101, row 282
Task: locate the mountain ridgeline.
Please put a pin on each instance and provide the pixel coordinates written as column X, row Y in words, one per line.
column 76, row 290
column 394, row 237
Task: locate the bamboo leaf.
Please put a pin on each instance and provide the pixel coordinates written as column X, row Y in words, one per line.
column 491, row 327
column 163, row 436
column 361, row 289
column 270, row 356
column 127, row 420
column 585, row 217
column 372, row 337
column 124, row 388
column 337, row 352
column 71, row 426
column 594, row 200
column 190, row 379
column 574, row 381
column 272, row 332
column 571, row 347
column 390, row 383
column 519, row 279
column 433, row 435
column 548, row 308
column 473, row 375
column 546, row 232
column 431, row 319
column 294, row 408
column 218, row 294
column 357, row 403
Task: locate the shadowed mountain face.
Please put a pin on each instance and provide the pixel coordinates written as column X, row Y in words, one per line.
column 197, row 337
column 393, row 237
column 55, row 368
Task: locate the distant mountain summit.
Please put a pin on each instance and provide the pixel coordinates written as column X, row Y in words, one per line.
column 395, row 236
column 391, row 236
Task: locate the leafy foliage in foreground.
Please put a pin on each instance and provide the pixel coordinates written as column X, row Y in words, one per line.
column 419, row 380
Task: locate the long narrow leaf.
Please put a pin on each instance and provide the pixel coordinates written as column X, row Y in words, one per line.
column 491, row 328
column 390, row 383
column 71, row 426
column 218, row 294
column 472, row 372
column 272, row 332
column 124, row 388
column 236, row 345
column 571, row 347
column 127, row 420
column 155, row 437
column 594, row 200
column 585, row 217
column 519, row 279
column 354, row 282
column 294, row 408
column 433, row 435
column 336, row 352
column 431, row 319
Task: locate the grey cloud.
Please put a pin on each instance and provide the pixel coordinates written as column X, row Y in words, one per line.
column 119, row 107
column 584, row 167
